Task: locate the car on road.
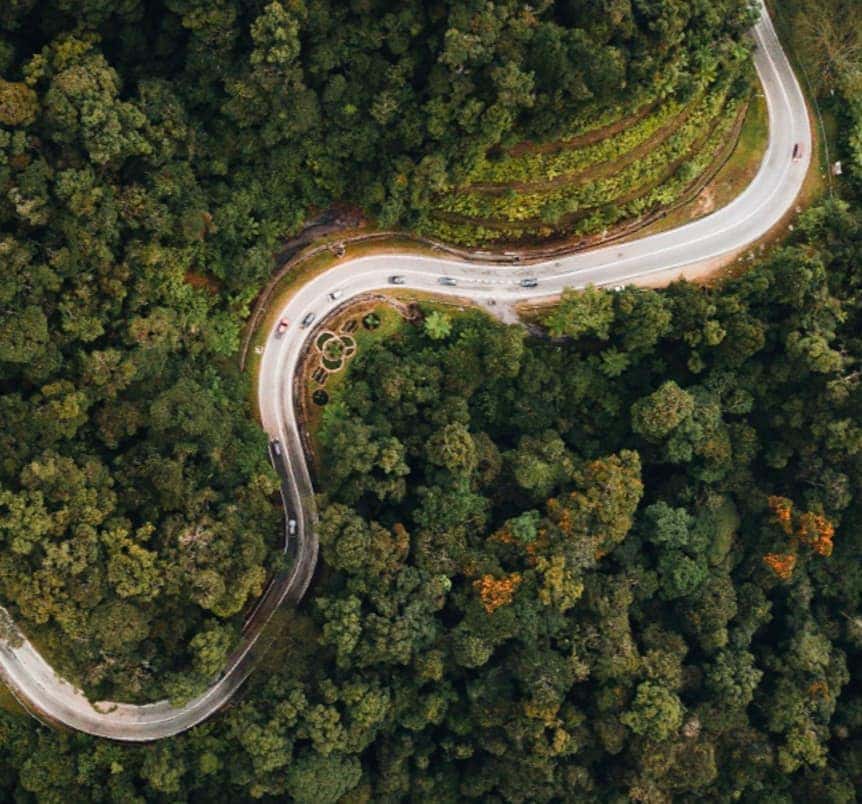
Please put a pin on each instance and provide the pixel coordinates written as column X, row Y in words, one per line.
column 396, row 280
column 336, row 295
column 276, row 446
column 529, row 282
column 281, row 327
column 308, row 320
column 447, row 280
column 797, row 152
column 291, row 527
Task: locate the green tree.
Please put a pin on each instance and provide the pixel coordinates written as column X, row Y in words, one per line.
column 582, row 313
column 656, row 712
column 452, row 448
column 657, row 415
column 437, row 325
column 315, row 778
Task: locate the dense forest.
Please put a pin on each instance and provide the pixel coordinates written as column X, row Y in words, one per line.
column 612, row 557
column 152, row 156
column 616, row 559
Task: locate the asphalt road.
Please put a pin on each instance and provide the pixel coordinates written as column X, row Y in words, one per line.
column 649, row 260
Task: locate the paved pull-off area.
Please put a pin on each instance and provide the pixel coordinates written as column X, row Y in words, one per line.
column 650, row 260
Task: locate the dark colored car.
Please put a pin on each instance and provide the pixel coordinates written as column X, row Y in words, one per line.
column 447, row 280
column 308, row 320
column 396, row 280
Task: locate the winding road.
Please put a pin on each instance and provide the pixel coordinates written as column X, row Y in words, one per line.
column 650, row 260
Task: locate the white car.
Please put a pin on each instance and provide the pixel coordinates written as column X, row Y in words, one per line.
column 336, row 295
column 291, row 527
column 281, row 328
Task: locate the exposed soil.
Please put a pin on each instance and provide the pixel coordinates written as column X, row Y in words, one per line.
column 704, row 203
column 197, row 280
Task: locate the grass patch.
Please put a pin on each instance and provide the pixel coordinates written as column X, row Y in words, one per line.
column 742, row 167
column 8, row 702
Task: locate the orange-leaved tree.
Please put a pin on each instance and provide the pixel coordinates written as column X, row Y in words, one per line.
column 495, row 592
column 782, row 564
column 813, row 530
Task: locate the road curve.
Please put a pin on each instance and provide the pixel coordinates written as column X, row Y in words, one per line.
column 751, row 215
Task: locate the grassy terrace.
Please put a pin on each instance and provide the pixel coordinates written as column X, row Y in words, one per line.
column 733, row 177
column 649, row 159
column 565, row 161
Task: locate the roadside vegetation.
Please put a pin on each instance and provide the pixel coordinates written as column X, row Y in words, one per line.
column 586, row 187
column 368, row 323
column 735, row 174
column 825, row 39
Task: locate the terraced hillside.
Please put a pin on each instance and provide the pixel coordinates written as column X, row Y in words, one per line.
column 613, row 168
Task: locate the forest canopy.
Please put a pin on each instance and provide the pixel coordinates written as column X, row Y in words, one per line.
column 616, row 558
column 153, row 156
column 620, row 562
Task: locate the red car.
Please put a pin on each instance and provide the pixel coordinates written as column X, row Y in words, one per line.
column 797, row 152
column 282, row 327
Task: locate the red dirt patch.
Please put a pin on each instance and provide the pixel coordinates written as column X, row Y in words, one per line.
column 197, row 280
